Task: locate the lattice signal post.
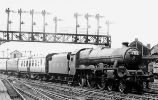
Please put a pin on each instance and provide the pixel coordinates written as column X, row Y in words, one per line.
column 6, row 36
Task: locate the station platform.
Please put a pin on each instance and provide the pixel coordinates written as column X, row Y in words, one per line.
column 3, row 92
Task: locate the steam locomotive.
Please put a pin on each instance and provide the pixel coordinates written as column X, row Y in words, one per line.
column 104, row 68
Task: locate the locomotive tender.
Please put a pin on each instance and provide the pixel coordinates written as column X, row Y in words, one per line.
column 105, row 68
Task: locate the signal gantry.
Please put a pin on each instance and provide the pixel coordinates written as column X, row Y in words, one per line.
column 54, row 37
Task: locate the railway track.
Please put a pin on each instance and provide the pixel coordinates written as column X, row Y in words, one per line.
column 25, row 94
column 40, row 94
column 56, row 95
column 65, row 92
column 71, row 92
column 94, row 94
column 13, row 93
column 29, row 91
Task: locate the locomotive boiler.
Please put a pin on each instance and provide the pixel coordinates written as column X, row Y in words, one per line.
column 126, row 56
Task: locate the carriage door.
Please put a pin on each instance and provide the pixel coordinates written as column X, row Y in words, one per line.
column 72, row 64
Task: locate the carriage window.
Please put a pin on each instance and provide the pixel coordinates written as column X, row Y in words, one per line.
column 32, row 62
column 41, row 62
column 35, row 63
column 38, row 63
column 14, row 55
column 26, row 63
column 29, row 62
column 71, row 59
column 21, row 63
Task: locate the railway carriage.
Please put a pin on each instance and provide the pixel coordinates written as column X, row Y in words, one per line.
column 37, row 67
column 23, row 66
column 37, row 64
column 32, row 67
column 12, row 66
column 3, row 65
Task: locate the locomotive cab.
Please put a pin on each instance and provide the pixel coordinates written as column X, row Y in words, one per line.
column 72, row 63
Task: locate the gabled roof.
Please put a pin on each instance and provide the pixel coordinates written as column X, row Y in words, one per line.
column 154, row 46
column 154, row 49
column 150, row 57
column 138, row 42
column 16, row 51
column 144, row 49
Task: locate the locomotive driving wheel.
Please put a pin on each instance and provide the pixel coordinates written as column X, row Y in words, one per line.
column 82, row 82
column 101, row 85
column 109, row 86
column 44, row 78
column 144, row 85
column 91, row 83
column 122, row 87
column 140, row 87
column 149, row 84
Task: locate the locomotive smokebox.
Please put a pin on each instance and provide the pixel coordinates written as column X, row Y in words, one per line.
column 125, row 44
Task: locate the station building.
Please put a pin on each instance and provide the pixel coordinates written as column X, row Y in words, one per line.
column 154, row 50
column 145, row 50
column 15, row 54
column 146, row 64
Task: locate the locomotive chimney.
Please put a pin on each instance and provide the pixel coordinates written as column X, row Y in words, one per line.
column 125, row 44
column 148, row 46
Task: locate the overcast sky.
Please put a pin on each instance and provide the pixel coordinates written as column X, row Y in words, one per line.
column 130, row 18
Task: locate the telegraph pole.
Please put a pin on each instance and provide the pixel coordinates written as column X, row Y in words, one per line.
column 87, row 18
column 10, row 22
column 32, row 12
column 108, row 26
column 20, row 22
column 76, row 15
column 8, row 14
column 32, row 23
column 55, row 19
column 44, row 14
column 19, row 12
column 98, row 22
column 44, row 23
column 8, row 11
column 98, row 25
